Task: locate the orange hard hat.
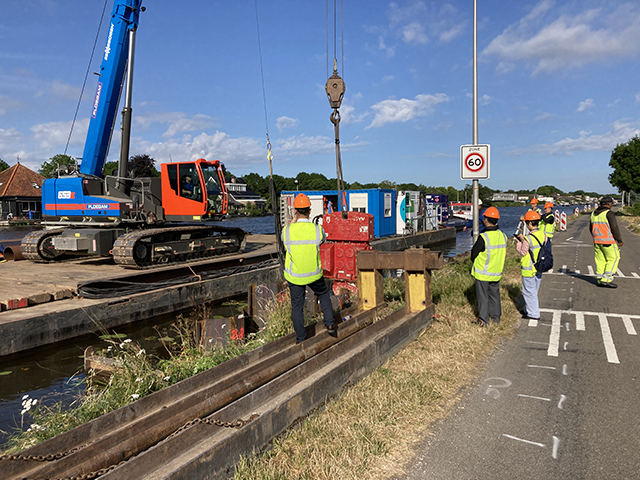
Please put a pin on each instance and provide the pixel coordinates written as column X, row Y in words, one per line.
column 534, row 200
column 301, row 201
column 492, row 212
column 531, row 215
column 548, row 205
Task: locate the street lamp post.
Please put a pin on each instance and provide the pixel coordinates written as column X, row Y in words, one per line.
column 296, row 183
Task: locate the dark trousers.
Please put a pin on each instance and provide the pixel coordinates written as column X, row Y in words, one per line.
column 298, row 292
column 488, row 295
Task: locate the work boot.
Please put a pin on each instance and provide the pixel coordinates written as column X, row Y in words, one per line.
column 332, row 330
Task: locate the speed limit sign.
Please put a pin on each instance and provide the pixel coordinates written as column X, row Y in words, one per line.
column 474, row 160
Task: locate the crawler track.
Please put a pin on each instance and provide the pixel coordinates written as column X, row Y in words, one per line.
column 160, row 246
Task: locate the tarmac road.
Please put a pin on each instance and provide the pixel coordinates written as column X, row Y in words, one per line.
column 562, row 399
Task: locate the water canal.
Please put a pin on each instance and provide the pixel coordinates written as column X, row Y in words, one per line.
column 55, row 373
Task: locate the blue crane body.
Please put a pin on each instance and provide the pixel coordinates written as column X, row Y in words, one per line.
column 126, row 217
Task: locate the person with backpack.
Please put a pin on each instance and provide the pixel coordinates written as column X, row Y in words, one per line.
column 606, row 242
column 529, row 247
column 488, row 255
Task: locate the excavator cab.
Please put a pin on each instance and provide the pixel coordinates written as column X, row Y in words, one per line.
column 193, row 190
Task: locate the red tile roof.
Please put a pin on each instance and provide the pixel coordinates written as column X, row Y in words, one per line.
column 18, row 181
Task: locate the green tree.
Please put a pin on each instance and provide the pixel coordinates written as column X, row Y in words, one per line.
column 110, row 168
column 59, row 161
column 3, row 165
column 549, row 191
column 142, row 166
column 625, row 161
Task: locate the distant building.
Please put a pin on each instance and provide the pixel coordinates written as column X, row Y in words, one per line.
column 504, row 197
column 20, row 193
column 240, row 195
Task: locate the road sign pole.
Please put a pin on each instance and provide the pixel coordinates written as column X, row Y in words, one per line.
column 476, row 198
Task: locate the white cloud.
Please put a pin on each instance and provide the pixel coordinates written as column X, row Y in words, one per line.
column 7, row 102
column 588, row 103
column 178, row 122
column 484, row 99
column 218, row 146
column 621, row 131
column 60, row 90
column 414, row 33
column 403, row 110
column 382, row 46
column 286, row 122
column 568, row 41
column 545, row 117
column 453, row 32
column 53, row 135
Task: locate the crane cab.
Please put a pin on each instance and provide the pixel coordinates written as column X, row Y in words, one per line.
column 193, row 190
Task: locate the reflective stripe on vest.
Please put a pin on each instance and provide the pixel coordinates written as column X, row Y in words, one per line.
column 528, row 270
column 600, row 229
column 549, row 228
column 302, row 262
column 489, row 263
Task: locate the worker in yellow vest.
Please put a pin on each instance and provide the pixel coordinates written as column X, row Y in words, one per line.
column 302, row 268
column 534, row 206
column 488, row 255
column 606, row 242
column 529, row 248
column 549, row 220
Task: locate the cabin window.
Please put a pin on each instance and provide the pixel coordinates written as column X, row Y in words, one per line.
column 172, row 173
column 190, row 182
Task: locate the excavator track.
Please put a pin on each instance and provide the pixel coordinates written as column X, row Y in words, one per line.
column 161, row 246
column 37, row 246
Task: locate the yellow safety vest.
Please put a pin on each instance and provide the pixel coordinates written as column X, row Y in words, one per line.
column 489, row 263
column 527, row 268
column 302, row 262
column 548, row 228
column 600, row 229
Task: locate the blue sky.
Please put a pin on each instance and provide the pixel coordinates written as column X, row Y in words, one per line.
column 558, row 86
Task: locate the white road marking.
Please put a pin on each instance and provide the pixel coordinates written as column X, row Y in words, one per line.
column 533, row 323
column 577, row 272
column 620, row 273
column 556, row 444
column 609, row 347
column 564, row 369
column 535, row 398
column 562, row 399
column 566, row 324
column 628, row 324
column 635, row 274
column 590, row 268
column 580, row 321
column 538, row 343
column 564, row 269
column 568, row 239
column 554, row 337
column 565, row 345
column 523, row 440
column 541, row 366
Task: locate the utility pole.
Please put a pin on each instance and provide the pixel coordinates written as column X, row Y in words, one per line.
column 476, row 213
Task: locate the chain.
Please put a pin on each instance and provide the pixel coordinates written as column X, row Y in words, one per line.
column 91, row 475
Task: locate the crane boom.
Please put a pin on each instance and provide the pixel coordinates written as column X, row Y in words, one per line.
column 124, row 18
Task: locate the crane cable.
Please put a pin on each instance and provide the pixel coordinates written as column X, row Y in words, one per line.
column 272, row 187
column 335, row 89
column 86, row 75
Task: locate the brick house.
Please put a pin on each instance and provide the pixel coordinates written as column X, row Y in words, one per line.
column 20, row 193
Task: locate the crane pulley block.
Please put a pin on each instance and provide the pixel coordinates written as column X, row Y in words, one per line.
column 335, row 89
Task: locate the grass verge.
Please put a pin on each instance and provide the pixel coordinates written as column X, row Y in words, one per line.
column 367, row 431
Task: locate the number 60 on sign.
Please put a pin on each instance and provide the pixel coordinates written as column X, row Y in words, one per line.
column 474, row 162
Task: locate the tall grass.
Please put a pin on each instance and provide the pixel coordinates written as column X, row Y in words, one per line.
column 367, row 431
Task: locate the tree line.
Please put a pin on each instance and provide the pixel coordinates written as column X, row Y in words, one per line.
column 625, row 161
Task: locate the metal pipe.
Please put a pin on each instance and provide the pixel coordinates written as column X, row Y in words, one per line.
column 476, row 198
column 13, row 253
column 126, row 111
